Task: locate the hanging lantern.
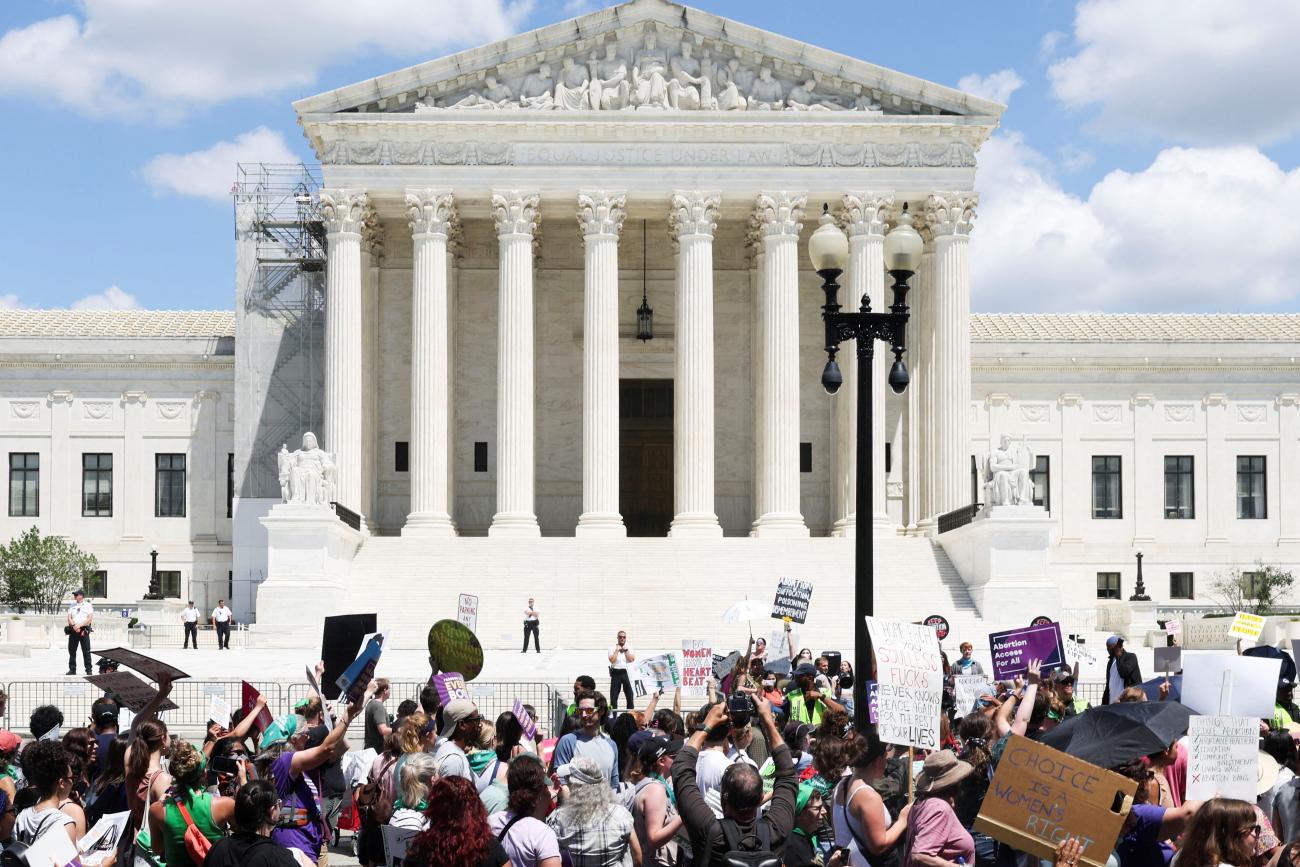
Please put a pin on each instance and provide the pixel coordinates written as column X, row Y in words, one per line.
column 644, row 314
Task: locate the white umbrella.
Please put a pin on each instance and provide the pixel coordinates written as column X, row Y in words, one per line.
column 747, row 609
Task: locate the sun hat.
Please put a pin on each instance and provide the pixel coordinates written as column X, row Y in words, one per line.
column 456, row 711
column 942, row 770
column 1268, row 770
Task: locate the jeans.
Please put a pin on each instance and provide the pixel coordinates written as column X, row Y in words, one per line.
column 191, row 634
column 618, row 679
column 531, row 628
column 223, row 635
column 81, row 640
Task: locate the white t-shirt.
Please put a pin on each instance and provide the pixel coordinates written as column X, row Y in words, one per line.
column 221, row 614
column 709, row 768
column 620, row 661
column 80, row 612
column 1115, row 681
column 190, row 615
column 530, row 613
column 452, row 761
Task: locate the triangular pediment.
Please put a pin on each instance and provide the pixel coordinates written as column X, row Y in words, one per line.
column 648, row 55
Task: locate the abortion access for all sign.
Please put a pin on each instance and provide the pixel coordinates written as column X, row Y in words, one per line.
column 1013, row 650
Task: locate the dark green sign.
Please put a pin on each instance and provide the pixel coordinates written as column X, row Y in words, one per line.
column 452, row 647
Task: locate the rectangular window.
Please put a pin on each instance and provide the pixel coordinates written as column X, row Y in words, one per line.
column 230, row 485
column 1180, row 487
column 805, row 457
column 97, row 585
column 1180, row 585
column 169, row 486
column 1041, row 476
column 480, row 457
column 170, row 582
column 1108, row 585
column 889, row 458
column 96, row 485
column 401, row 457
column 1106, row 477
column 1252, row 487
column 1250, row 584
column 24, row 484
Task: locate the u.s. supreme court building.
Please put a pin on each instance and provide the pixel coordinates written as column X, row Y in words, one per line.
column 455, row 304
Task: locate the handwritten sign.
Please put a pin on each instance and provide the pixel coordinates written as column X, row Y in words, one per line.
column 910, row 675
column 792, row 598
column 1222, row 757
column 1174, row 627
column 1168, row 659
column 451, row 686
column 146, row 665
column 525, row 720
column 967, row 690
column 1039, row 796
column 248, row 700
column 219, row 712
column 697, row 667
column 1014, row 648
column 1247, row 626
column 1076, row 652
column 130, row 690
column 661, row 672
column 467, row 611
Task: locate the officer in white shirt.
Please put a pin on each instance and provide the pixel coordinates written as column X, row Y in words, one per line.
column 80, row 616
column 190, row 620
column 531, row 622
column 222, row 618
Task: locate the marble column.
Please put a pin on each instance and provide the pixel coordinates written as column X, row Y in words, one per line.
column 343, row 214
column 692, row 219
column 516, row 216
column 779, row 213
column 600, row 219
column 864, row 216
column 203, row 472
column 950, row 217
column 1288, row 468
column 431, row 213
column 372, row 263
column 920, row 394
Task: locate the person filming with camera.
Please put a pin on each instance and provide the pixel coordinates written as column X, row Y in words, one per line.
column 81, row 614
column 806, row 703
column 621, row 658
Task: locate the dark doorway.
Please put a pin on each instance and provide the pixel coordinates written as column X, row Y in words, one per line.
column 645, row 455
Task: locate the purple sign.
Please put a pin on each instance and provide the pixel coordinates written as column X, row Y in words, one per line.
column 1013, row 649
column 450, row 686
column 525, row 721
column 873, row 702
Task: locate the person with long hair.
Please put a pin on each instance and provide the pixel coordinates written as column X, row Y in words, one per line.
column 509, row 736
column 589, row 826
column 257, row 812
column 108, row 794
column 188, row 803
column 9, row 744
column 417, row 774
column 1221, row 834
column 935, row 837
column 48, row 770
column 858, row 814
column 457, row 832
column 527, row 839
column 82, row 747
column 146, row 781
column 976, row 733
column 654, row 806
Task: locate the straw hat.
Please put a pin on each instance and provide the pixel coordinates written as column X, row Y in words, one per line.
column 942, row 770
column 1268, row 771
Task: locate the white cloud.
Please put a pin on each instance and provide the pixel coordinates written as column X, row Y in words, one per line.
column 112, row 298
column 9, row 302
column 1200, row 229
column 162, row 57
column 208, row 173
column 1074, row 158
column 997, row 86
column 1049, row 43
column 1198, row 71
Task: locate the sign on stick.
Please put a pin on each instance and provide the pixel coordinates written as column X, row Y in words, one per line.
column 467, row 611
column 939, row 624
column 1174, row 627
column 151, row 668
column 450, row 686
column 697, row 667
column 130, row 690
column 1014, row 648
column 1225, row 684
column 792, row 598
column 454, row 647
column 661, row 672
column 525, row 721
column 1248, row 626
column 910, row 677
column 1222, row 757
column 248, row 700
column 352, row 683
column 1168, row 659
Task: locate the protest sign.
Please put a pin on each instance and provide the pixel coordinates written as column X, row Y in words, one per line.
column 1222, row 757
column 103, row 838
column 324, row 705
column 1040, row 620
column 1040, row 796
column 660, row 672
column 248, row 700
column 130, row 690
column 1076, row 652
column 697, row 667
column 341, row 641
column 526, row 721
column 154, row 669
column 873, row 702
column 910, row 677
column 1168, row 659
column 1225, row 684
column 467, row 611
column 450, row 686
column 1174, row 627
column 792, row 598
column 52, row 849
column 939, row 624
column 352, row 682
column 968, row 688
column 1014, row 648
column 454, row 647
column 725, row 665
column 219, row 712
column 1248, row 626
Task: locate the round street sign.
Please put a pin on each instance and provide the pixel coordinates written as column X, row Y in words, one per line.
column 1041, row 620
column 939, row 624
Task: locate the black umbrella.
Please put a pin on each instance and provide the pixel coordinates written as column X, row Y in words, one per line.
column 1152, row 687
column 1116, row 733
column 1265, row 651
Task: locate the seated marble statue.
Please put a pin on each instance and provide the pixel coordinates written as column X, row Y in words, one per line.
column 767, row 94
column 686, row 84
column 571, row 87
column 307, row 475
column 801, row 99
column 728, row 90
column 609, row 87
column 708, row 74
column 650, row 75
column 494, row 95
column 1009, row 480
column 535, row 92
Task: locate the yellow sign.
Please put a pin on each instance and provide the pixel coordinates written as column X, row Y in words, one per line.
column 1246, row 626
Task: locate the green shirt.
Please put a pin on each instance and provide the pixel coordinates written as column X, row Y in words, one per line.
column 174, row 827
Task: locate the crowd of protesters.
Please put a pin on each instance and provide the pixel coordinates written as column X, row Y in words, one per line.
column 769, row 771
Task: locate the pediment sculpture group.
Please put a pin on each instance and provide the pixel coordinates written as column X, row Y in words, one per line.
column 655, row 80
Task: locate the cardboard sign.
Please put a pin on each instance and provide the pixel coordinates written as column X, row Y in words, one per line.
column 102, row 839
column 1224, row 684
column 450, row 686
column 792, row 598
column 467, row 611
column 1168, row 659
column 525, row 720
column 219, row 712
column 697, row 667
column 1076, row 652
column 1014, row 648
column 660, row 672
column 352, row 682
column 1039, row 796
column 454, row 647
column 968, row 688
column 1248, row 626
column 324, row 704
column 1222, row 757
column 1174, row 627
column 133, row 692
column 910, row 675
column 146, row 665
column 248, row 700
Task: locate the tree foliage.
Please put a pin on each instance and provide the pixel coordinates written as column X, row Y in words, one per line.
column 1257, row 590
column 38, row 572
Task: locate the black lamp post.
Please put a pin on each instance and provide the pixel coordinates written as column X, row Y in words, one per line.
column 644, row 314
column 1139, row 591
column 155, row 586
column 829, row 250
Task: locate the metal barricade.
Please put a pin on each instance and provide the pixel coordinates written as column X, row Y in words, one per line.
column 147, row 636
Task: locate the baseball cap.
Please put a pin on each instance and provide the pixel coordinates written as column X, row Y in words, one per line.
column 1113, row 640
column 655, row 748
column 78, row 592
column 106, row 712
column 9, row 741
column 805, row 669
column 1063, row 676
column 639, row 738
column 454, row 712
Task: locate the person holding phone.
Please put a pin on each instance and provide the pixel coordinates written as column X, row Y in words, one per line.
column 621, row 658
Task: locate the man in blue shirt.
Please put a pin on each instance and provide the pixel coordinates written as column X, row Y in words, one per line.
column 589, row 740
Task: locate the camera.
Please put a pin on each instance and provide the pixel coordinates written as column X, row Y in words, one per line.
column 740, row 707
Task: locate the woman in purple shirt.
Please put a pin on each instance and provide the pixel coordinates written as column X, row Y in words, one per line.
column 935, row 836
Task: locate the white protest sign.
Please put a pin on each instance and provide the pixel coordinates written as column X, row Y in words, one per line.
column 324, row 705
column 1248, row 626
column 1174, row 627
column 968, row 688
column 1223, row 757
column 662, row 671
column 467, row 611
column 1227, row 684
column 910, row 675
column 1076, row 653
column 101, row 840
column 697, row 667
column 219, row 712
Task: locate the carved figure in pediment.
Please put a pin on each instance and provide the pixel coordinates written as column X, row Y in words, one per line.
column 744, row 75
column 609, row 87
column 708, row 75
column 684, row 88
column 801, row 99
column 650, row 75
column 729, row 90
column 494, row 95
column 767, row 94
column 535, row 92
column 865, row 102
column 571, row 88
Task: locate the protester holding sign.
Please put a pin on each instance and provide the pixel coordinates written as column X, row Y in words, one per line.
column 861, row 820
column 805, row 703
column 966, row 664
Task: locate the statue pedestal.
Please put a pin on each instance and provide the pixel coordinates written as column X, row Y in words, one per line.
column 309, row 553
column 160, row 612
column 1002, row 558
column 1142, row 623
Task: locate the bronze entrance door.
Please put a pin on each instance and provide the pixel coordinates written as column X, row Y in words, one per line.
column 645, row 455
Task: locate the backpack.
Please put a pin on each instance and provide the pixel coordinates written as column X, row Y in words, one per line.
column 735, row 856
column 374, row 802
column 196, row 845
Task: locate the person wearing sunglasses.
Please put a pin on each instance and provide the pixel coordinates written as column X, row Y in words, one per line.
column 460, row 727
column 1223, row 832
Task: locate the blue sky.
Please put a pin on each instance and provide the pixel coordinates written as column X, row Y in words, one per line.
column 1147, row 160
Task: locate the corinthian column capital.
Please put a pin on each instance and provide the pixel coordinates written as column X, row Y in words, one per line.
column 515, row 211
column 430, row 212
column 343, row 210
column 951, row 213
column 779, row 212
column 866, row 213
column 601, row 212
column 693, row 212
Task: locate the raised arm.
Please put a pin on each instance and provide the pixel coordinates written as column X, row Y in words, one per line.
column 150, row 710
column 305, row 760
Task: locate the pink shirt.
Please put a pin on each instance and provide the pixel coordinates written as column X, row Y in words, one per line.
column 933, row 829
